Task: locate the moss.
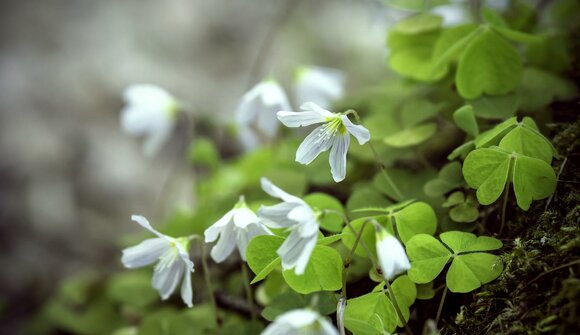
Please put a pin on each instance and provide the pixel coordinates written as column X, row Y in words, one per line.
column 539, row 290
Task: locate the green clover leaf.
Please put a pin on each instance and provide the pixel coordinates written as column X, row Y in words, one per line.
column 470, row 267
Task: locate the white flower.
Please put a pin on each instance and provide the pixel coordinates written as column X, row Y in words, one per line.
column 391, row 253
column 295, row 215
column 174, row 263
column 256, row 113
column 300, row 321
column 236, row 228
column 334, row 134
column 151, row 112
column 319, row 84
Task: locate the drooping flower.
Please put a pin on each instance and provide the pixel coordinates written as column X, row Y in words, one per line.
column 256, row 113
column 300, row 322
column 391, row 253
column 319, row 84
column 236, row 228
column 150, row 111
column 333, row 134
column 174, row 263
column 295, row 215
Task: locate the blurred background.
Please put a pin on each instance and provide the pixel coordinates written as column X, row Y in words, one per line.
column 69, row 177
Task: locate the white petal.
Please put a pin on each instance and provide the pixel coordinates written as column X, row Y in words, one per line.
column 327, row 327
column 276, row 192
column 318, row 84
column 244, row 217
column 305, row 217
column 225, row 244
column 337, row 158
column 313, row 145
column 298, row 318
column 299, row 119
column 248, row 138
column 273, row 95
column 277, row 216
column 312, row 106
column 166, row 278
column 391, row 254
column 249, row 106
column 144, row 253
column 147, row 95
column 296, row 251
column 305, row 254
column 212, row 232
column 184, row 255
column 361, row 134
column 141, row 220
column 186, row 291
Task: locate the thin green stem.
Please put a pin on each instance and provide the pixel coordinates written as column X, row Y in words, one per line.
column 378, row 160
column 440, row 306
column 248, row 290
column 207, row 278
column 506, row 193
column 348, row 259
column 396, row 304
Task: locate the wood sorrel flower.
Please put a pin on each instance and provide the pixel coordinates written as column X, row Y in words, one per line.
column 150, row 111
column 174, row 263
column 391, row 253
column 320, row 84
column 236, row 228
column 256, row 113
column 300, row 321
column 333, row 134
column 295, row 215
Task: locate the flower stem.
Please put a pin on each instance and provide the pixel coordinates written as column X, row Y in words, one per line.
column 378, row 160
column 440, row 306
column 504, row 205
column 396, row 304
column 208, row 283
column 248, row 290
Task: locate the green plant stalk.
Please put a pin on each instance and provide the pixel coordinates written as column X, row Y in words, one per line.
column 351, row 254
column 396, row 304
column 207, row 277
column 440, row 309
column 398, row 193
column 504, row 205
column 248, row 290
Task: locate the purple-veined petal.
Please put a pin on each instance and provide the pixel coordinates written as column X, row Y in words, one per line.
column 166, row 275
column 315, row 143
column 141, row 220
column 337, row 158
column 312, row 106
column 361, row 134
column 299, row 119
column 144, row 253
column 277, row 192
column 225, row 244
column 212, row 232
column 186, row 291
column 243, row 217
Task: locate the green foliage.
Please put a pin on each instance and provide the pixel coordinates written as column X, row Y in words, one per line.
column 325, row 303
column 449, row 178
column 489, row 169
column 331, row 221
column 202, row 151
column 489, row 65
column 470, row 267
column 323, row 273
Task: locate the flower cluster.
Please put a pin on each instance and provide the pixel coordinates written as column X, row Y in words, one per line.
column 151, row 111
